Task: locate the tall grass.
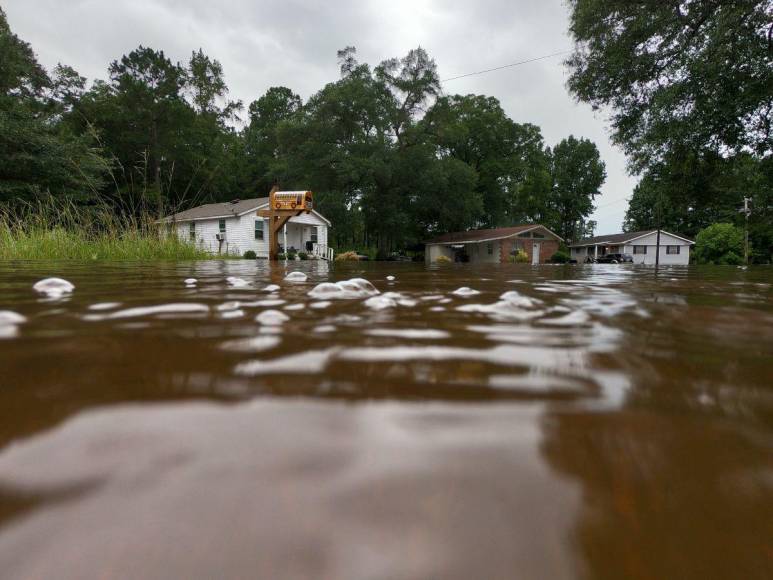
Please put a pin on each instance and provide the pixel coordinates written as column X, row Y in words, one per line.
column 60, row 230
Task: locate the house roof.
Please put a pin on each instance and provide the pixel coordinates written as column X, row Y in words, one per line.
column 622, row 238
column 479, row 236
column 218, row 210
column 226, row 210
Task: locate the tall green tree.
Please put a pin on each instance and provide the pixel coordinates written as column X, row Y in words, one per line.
column 510, row 159
column 36, row 156
column 263, row 165
column 578, row 173
column 692, row 73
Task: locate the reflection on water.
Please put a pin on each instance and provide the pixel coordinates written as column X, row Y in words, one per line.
column 222, row 419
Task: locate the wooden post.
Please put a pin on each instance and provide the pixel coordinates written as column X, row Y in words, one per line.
column 277, row 218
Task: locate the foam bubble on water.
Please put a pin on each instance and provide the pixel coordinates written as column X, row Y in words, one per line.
column 272, row 318
column 252, row 344
column 292, row 307
column 265, row 303
column 431, row 297
column 400, row 299
column 501, row 309
column 104, row 306
column 518, row 299
column 346, row 289
column 296, row 277
column 190, row 281
column 229, row 314
column 438, row 309
column 465, row 291
column 380, row 302
column 390, row 278
column 53, row 287
column 271, row 288
column 9, row 323
column 411, row 333
column 180, row 308
column 320, row 305
column 324, row 329
column 237, row 282
column 575, row 318
column 230, row 305
column 10, row 317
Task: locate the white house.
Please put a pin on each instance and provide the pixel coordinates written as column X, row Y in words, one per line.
column 494, row 246
column 642, row 246
column 236, row 226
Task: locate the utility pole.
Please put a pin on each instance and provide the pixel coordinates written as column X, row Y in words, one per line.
column 746, row 212
column 657, row 238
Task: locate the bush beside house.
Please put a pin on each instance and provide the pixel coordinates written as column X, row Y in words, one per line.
column 719, row 244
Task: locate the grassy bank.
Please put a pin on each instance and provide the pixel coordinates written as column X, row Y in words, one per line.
column 63, row 231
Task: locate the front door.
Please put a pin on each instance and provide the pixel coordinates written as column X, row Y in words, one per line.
column 535, row 253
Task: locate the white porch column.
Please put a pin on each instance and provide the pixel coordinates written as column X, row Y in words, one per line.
column 595, row 252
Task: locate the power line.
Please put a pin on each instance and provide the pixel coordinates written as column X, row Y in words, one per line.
column 488, row 70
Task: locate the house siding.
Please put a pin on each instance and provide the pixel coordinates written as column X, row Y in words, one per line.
column 650, row 240
column 240, row 233
column 478, row 251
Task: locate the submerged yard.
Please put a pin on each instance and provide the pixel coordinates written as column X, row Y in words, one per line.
column 442, row 422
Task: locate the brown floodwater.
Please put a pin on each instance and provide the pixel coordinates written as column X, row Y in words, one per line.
column 598, row 421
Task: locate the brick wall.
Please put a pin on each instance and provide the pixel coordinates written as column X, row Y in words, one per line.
column 547, row 249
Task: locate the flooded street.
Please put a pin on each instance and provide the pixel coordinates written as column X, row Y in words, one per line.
column 219, row 420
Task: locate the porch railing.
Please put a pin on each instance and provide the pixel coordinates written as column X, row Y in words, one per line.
column 323, row 251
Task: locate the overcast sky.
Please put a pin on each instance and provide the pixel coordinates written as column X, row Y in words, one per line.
column 263, row 43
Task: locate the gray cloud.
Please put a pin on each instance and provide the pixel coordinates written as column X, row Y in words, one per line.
column 293, row 42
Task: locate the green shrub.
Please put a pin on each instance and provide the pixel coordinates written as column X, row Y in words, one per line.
column 250, row 255
column 719, row 244
column 350, row 256
column 560, row 257
column 520, row 257
column 281, row 256
column 303, row 255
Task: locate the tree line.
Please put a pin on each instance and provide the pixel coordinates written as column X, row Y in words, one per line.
column 392, row 159
column 689, row 88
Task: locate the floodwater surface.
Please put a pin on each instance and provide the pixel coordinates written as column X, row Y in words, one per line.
column 385, row 421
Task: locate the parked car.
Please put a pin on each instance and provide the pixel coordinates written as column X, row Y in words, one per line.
column 614, row 259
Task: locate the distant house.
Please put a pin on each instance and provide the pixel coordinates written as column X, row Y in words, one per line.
column 495, row 245
column 674, row 249
column 235, row 227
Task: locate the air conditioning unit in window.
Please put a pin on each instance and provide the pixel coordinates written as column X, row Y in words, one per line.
column 220, row 237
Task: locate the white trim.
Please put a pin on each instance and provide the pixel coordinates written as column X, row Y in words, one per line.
column 481, row 241
column 629, row 240
column 315, row 212
column 171, row 219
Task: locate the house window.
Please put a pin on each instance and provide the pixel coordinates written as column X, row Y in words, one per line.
column 640, row 249
column 537, row 235
column 314, row 235
column 221, row 226
column 258, row 229
column 672, row 249
column 525, row 235
column 613, row 249
column 490, row 249
column 192, row 231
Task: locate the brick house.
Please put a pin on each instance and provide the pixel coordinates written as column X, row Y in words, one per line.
column 495, row 245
